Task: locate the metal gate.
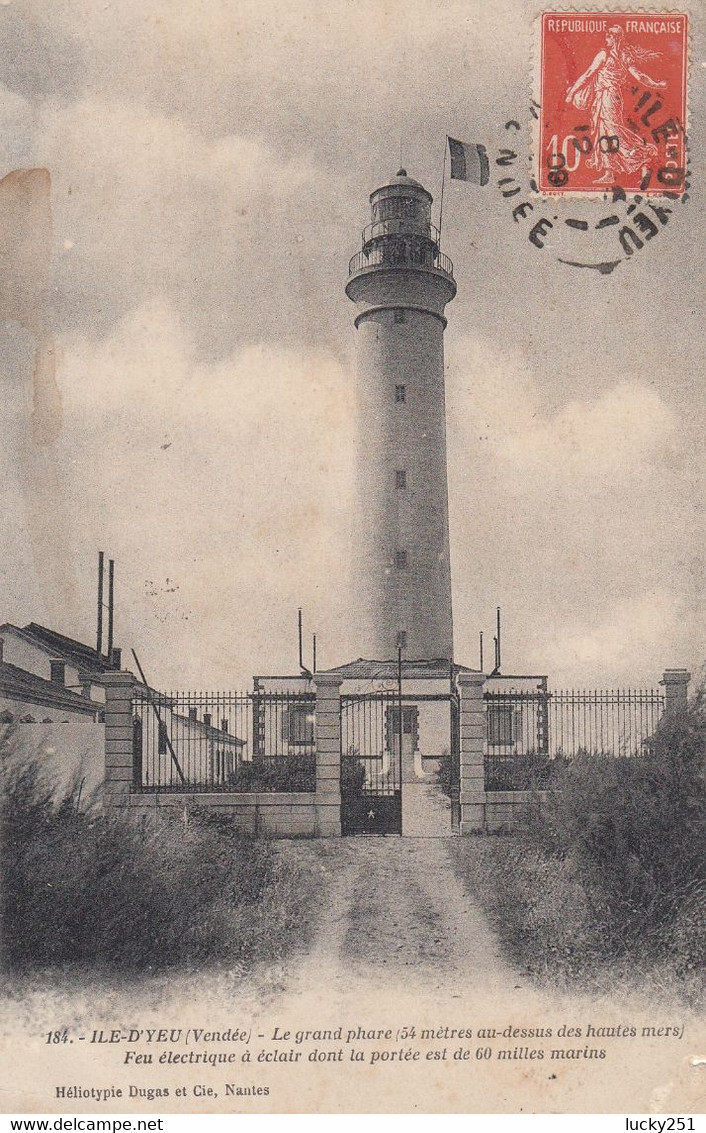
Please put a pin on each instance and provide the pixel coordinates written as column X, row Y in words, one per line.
column 371, row 764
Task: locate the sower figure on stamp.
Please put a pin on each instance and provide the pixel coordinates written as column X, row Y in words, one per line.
column 616, row 147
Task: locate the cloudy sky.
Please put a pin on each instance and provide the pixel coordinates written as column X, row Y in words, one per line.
column 210, row 165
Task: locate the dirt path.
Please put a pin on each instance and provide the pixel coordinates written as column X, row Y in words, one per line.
column 394, row 910
column 402, row 966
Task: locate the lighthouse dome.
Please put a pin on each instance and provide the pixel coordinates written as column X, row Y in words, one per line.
column 402, row 183
column 402, row 178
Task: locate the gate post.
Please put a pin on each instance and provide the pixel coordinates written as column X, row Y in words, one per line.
column 472, row 724
column 118, row 739
column 327, row 735
column 676, row 690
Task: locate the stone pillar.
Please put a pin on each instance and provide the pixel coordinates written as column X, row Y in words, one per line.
column 328, row 755
column 676, row 690
column 118, row 739
column 472, row 724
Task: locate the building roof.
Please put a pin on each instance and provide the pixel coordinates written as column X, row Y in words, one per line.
column 19, row 684
column 362, row 669
column 62, row 648
column 209, row 730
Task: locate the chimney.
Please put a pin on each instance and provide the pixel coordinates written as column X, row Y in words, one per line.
column 207, row 719
column 58, row 672
column 117, row 657
column 224, row 724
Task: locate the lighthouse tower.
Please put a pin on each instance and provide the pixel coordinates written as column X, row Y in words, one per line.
column 400, row 283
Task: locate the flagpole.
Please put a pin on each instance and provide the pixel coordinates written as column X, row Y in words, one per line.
column 443, row 180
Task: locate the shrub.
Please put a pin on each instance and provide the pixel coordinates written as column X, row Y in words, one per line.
column 352, row 773
column 285, row 773
column 610, row 877
column 531, row 771
column 448, row 774
column 110, row 890
column 633, row 829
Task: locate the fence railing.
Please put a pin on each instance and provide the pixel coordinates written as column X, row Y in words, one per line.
column 531, row 733
column 224, row 741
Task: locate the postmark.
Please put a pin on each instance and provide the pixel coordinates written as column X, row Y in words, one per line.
column 613, row 98
column 598, row 232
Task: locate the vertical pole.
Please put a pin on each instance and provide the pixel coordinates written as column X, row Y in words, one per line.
column 111, row 591
column 399, row 707
column 301, row 643
column 481, row 651
column 313, row 652
column 443, row 181
column 498, row 662
column 99, row 636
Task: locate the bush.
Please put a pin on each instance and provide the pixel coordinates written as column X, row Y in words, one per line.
column 110, row 890
column 610, row 877
column 286, row 773
column 448, row 774
column 352, row 773
column 531, row 771
column 634, row 830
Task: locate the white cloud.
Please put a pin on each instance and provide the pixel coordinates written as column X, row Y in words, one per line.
column 574, row 517
column 220, row 227
column 17, row 120
column 232, row 480
column 638, row 638
column 581, row 446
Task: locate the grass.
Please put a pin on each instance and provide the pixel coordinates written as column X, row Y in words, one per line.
column 78, row 887
column 610, row 876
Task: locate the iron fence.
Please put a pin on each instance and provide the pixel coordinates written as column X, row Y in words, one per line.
column 530, row 734
column 372, row 734
column 370, row 743
column 223, row 741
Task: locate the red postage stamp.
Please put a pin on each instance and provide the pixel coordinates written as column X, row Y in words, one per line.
column 612, row 102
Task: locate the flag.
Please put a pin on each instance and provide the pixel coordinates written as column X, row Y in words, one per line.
column 469, row 162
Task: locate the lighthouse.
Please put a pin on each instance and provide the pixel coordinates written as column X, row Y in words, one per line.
column 400, row 283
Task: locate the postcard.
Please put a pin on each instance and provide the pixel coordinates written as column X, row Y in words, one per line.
column 352, row 463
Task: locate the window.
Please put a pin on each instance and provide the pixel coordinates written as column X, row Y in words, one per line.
column 400, row 315
column 400, row 479
column 501, row 726
column 400, row 393
column 402, row 639
column 401, row 560
column 301, row 725
column 58, row 672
